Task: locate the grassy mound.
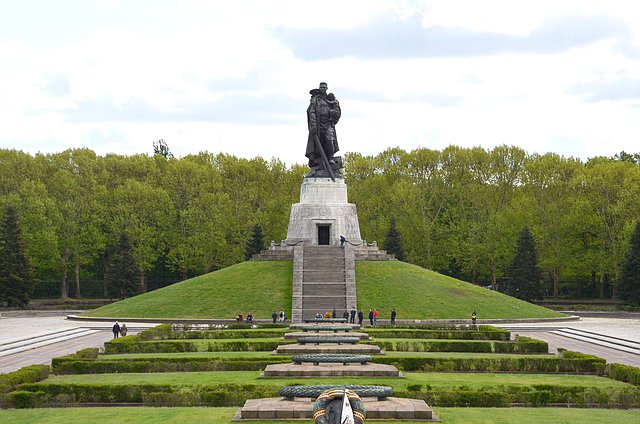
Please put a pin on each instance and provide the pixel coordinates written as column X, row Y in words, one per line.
column 419, row 293
column 254, row 286
column 262, row 287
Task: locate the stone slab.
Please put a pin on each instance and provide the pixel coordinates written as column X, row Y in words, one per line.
column 362, row 336
column 308, row 370
column 309, row 326
column 280, row 408
column 291, row 349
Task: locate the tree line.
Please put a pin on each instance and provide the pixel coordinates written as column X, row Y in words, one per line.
column 459, row 210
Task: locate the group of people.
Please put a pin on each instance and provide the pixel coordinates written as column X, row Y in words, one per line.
column 241, row 318
column 351, row 315
column 119, row 330
column 279, row 316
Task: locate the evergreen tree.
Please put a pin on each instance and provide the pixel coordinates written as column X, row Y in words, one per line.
column 256, row 243
column 629, row 282
column 393, row 242
column 524, row 280
column 122, row 274
column 15, row 271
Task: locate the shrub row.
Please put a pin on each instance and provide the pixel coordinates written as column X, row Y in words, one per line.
column 536, row 395
column 29, row 374
column 521, row 345
column 579, row 364
column 151, row 394
column 625, row 373
column 402, row 333
column 133, row 344
column 236, row 395
column 70, row 365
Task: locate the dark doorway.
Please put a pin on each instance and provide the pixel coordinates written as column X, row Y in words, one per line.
column 323, row 234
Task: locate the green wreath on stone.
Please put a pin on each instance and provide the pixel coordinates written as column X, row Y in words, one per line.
column 320, row 415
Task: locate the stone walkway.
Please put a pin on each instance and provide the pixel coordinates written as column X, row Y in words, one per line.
column 27, row 329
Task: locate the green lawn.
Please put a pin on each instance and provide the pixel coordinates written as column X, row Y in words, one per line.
column 224, row 415
column 435, row 380
column 261, row 287
column 420, row 293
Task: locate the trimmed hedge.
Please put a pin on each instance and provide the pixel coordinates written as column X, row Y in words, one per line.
column 521, row 345
column 625, row 373
column 151, row 394
column 536, row 395
column 71, row 365
column 29, row 374
column 236, row 395
column 401, row 333
column 24, row 399
column 578, row 364
column 133, row 344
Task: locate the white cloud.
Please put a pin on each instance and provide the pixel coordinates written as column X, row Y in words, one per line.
column 234, row 76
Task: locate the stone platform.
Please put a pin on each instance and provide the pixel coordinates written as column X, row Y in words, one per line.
column 291, row 349
column 302, row 408
column 307, row 370
column 361, row 336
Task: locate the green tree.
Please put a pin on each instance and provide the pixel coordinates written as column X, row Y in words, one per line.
column 524, row 276
column 161, row 147
column 393, row 241
column 122, row 275
column 256, row 243
column 629, row 281
column 15, row 271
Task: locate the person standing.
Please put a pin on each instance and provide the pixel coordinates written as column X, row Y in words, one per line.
column 334, row 314
column 274, row 317
column 282, row 316
column 116, row 330
column 360, row 318
column 375, row 316
column 371, row 316
column 393, row 316
column 123, row 329
column 474, row 317
column 352, row 318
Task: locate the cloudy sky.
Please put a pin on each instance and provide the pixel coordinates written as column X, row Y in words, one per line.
column 234, row 76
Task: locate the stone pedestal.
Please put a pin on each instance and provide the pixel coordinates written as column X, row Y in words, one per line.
column 323, row 203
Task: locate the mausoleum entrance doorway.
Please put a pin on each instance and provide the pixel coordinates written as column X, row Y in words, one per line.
column 323, row 234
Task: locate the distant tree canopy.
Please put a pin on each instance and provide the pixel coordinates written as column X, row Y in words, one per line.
column 523, row 276
column 122, row 274
column 255, row 244
column 393, row 241
column 630, row 274
column 459, row 210
column 15, row 270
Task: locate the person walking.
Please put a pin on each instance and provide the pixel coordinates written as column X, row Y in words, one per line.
column 360, row 318
column 375, row 316
column 393, row 316
column 371, row 316
column 274, row 317
column 352, row 318
column 123, row 329
column 116, row 330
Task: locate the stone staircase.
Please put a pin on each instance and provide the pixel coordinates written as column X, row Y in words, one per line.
column 326, row 280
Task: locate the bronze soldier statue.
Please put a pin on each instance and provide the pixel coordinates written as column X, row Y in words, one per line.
column 323, row 114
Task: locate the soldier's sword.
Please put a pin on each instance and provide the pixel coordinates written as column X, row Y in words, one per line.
column 324, row 157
